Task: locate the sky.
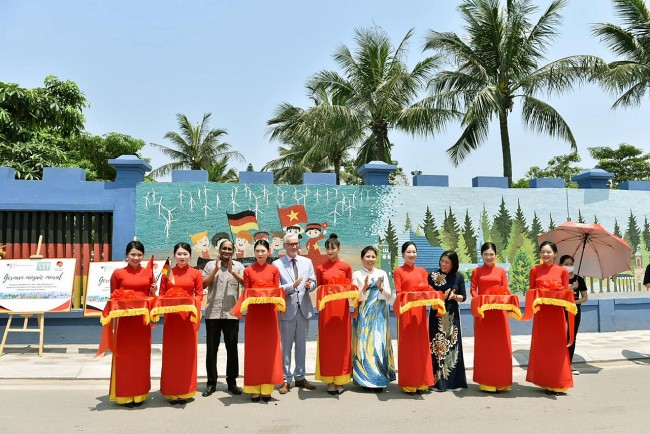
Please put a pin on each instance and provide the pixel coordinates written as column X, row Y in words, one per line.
column 139, row 63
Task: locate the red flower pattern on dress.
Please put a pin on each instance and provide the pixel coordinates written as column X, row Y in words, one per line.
column 175, row 292
column 422, row 287
column 552, row 285
column 339, row 280
column 498, row 290
column 122, row 294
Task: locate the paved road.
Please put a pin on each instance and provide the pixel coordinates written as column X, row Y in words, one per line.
column 608, row 397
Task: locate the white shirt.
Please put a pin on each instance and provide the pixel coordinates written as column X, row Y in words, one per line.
column 359, row 279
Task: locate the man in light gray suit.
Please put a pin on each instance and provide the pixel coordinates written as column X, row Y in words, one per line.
column 297, row 279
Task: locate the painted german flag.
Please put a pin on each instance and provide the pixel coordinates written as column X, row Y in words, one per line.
column 242, row 221
column 165, row 269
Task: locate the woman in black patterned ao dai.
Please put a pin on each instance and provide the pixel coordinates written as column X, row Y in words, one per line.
column 445, row 332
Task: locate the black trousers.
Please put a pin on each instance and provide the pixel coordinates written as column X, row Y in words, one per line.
column 572, row 348
column 230, row 329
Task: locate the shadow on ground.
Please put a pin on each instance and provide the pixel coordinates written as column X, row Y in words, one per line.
column 635, row 357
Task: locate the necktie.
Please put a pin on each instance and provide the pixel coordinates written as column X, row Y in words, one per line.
column 295, row 268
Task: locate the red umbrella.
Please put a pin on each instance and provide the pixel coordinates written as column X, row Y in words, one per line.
column 596, row 251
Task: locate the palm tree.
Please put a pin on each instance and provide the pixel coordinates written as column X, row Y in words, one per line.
column 499, row 63
column 316, row 139
column 220, row 172
column 197, row 147
column 380, row 92
column 629, row 78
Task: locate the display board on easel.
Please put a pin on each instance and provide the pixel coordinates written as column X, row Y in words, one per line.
column 32, row 287
column 98, row 289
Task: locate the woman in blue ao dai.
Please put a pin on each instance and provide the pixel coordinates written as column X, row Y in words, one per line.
column 372, row 361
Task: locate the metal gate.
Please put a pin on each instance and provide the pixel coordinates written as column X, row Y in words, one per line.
column 83, row 235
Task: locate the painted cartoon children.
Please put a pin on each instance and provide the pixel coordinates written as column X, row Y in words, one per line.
column 277, row 244
column 315, row 232
column 294, row 230
column 202, row 245
column 243, row 244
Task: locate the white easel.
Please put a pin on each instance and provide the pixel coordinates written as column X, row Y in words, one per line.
column 40, row 316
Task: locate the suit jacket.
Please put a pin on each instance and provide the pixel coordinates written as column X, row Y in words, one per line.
column 298, row 298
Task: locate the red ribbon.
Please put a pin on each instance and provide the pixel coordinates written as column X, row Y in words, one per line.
column 557, row 292
column 107, row 340
column 255, row 292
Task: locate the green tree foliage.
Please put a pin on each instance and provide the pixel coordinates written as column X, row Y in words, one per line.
column 501, row 226
column 349, row 175
column 430, row 230
column 617, row 229
column 519, row 274
column 317, row 139
column 633, row 233
column 196, row 147
column 462, row 250
column 470, row 238
column 551, row 223
column 407, row 224
column 92, row 153
column 36, row 123
column 485, row 226
column 221, row 172
column 380, row 92
column 391, row 239
column 581, row 219
column 520, row 217
column 595, row 219
column 558, row 167
column 499, row 61
column 55, row 109
column 29, row 159
column 646, row 234
column 627, row 163
column 449, row 231
column 628, row 78
column 517, row 240
column 535, row 228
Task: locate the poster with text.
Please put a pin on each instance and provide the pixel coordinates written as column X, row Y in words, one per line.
column 36, row 285
column 98, row 289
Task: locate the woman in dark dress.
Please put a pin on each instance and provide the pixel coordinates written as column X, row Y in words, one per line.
column 579, row 287
column 444, row 331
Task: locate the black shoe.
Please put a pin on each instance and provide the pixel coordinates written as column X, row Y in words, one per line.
column 182, row 401
column 234, row 389
column 173, row 402
column 138, row 404
column 266, row 398
column 210, row 390
column 333, row 392
column 129, row 404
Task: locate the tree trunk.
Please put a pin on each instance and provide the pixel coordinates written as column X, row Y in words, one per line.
column 505, row 147
column 337, row 170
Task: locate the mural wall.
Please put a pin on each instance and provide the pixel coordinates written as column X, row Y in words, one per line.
column 435, row 218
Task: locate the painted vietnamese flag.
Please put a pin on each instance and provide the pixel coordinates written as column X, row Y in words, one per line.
column 292, row 215
column 150, row 265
